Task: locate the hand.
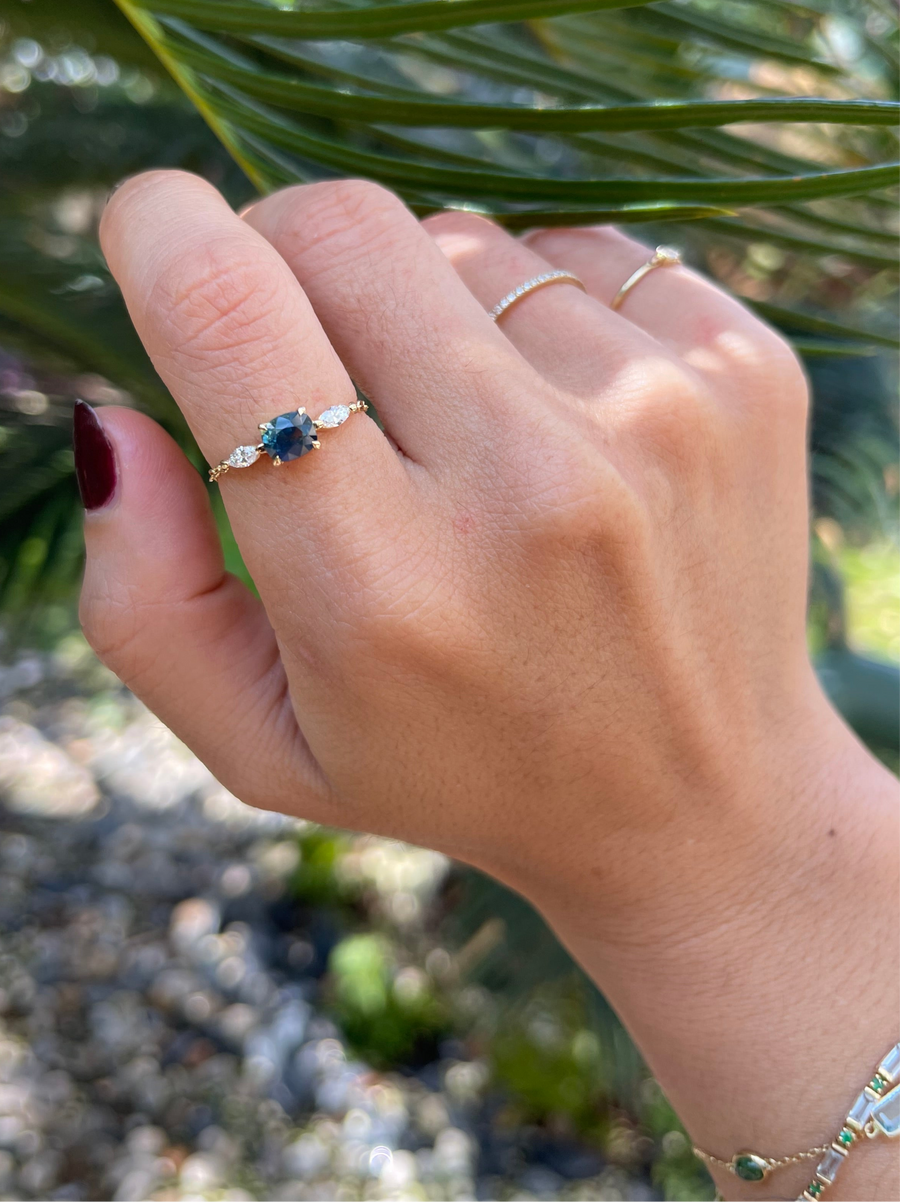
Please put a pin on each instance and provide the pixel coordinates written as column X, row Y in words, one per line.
column 552, row 607
column 550, row 621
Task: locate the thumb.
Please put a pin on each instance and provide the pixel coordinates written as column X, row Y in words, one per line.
column 183, row 634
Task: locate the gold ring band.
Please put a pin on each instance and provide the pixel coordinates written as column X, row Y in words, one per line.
column 288, row 437
column 663, row 256
column 532, row 285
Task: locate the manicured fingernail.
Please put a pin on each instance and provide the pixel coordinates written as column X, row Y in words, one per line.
column 95, row 460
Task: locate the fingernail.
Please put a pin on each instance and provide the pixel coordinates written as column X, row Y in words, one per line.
column 114, row 189
column 95, row 460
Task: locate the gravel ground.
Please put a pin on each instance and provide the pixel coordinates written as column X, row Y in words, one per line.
column 159, row 1030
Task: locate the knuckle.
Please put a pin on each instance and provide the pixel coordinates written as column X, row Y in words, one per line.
column 675, row 420
column 350, row 214
column 766, row 374
column 454, row 222
column 218, row 297
column 785, row 387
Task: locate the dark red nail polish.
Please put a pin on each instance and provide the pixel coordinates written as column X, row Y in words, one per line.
column 95, row 460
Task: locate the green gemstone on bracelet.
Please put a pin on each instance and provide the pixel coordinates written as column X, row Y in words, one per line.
column 815, row 1188
column 749, row 1168
column 846, row 1137
column 877, row 1084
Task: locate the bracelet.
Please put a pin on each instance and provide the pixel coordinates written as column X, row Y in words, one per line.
column 875, row 1112
column 750, row 1167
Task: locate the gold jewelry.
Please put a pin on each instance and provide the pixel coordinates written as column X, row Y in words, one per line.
column 288, row 437
column 750, row 1167
column 663, row 256
column 875, row 1112
column 539, row 281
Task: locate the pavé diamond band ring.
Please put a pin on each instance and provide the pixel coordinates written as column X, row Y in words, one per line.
column 288, row 437
column 663, row 256
column 532, row 285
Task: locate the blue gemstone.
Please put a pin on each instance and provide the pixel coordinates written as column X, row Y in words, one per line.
column 289, row 436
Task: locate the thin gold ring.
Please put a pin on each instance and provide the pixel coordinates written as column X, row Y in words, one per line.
column 663, row 256
column 532, row 285
column 288, row 437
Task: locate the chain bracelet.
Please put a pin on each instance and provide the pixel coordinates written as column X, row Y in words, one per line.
column 875, row 1112
column 771, row 1163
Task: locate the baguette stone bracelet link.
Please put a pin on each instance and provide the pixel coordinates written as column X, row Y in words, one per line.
column 875, row 1112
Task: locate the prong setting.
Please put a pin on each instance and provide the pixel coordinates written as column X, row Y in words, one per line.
column 287, row 437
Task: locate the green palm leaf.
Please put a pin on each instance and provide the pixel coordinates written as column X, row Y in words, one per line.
column 606, row 83
column 63, row 327
column 409, row 108
column 371, row 21
column 681, row 117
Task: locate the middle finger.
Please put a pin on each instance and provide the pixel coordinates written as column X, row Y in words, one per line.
column 411, row 334
column 560, row 329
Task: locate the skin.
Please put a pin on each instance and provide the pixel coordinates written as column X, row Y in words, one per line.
column 551, row 622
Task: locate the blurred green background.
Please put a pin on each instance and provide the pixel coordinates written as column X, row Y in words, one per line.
column 769, row 164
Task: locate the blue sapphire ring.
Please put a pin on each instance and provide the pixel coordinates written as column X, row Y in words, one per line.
column 288, row 437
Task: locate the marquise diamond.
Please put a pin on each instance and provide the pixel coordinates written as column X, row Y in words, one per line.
column 242, row 457
column 335, row 416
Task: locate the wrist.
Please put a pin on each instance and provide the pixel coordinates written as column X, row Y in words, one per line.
column 733, row 853
column 761, row 949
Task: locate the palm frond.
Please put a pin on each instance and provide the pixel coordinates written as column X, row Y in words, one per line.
column 734, row 130
column 64, row 330
column 534, row 103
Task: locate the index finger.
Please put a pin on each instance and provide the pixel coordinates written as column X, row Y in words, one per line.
column 237, row 342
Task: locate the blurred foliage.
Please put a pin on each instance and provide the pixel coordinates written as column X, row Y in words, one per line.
column 766, row 127
column 426, row 962
column 63, row 328
column 553, row 1063
column 506, row 115
column 94, row 26
column 872, row 583
column 388, row 1008
column 390, row 1014
column 315, row 882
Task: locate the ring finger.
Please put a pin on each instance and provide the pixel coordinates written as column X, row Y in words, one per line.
column 560, row 329
column 678, row 307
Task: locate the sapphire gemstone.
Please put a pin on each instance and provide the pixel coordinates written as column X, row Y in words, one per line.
column 289, row 436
